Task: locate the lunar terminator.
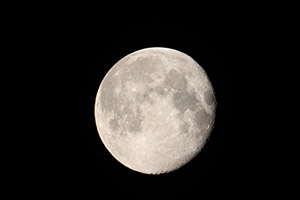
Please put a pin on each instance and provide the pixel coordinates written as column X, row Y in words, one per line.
column 155, row 109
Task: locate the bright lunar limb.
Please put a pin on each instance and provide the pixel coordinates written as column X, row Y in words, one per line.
column 155, row 109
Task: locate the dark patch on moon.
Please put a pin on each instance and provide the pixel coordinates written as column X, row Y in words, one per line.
column 183, row 100
column 113, row 124
column 145, row 96
column 132, row 122
column 175, row 80
column 208, row 98
column 202, row 118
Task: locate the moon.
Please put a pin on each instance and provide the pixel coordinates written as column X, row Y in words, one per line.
column 155, row 109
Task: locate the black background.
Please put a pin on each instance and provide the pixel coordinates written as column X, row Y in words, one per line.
column 58, row 57
column 88, row 162
column 73, row 58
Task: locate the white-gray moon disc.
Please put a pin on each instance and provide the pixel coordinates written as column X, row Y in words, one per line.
column 155, row 109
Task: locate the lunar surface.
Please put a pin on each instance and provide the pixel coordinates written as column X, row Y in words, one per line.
column 155, row 109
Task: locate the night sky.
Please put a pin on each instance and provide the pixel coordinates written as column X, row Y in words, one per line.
column 78, row 55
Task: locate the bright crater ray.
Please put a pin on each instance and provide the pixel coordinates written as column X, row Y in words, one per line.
column 155, row 110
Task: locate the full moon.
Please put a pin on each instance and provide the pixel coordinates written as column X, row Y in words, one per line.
column 155, row 109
